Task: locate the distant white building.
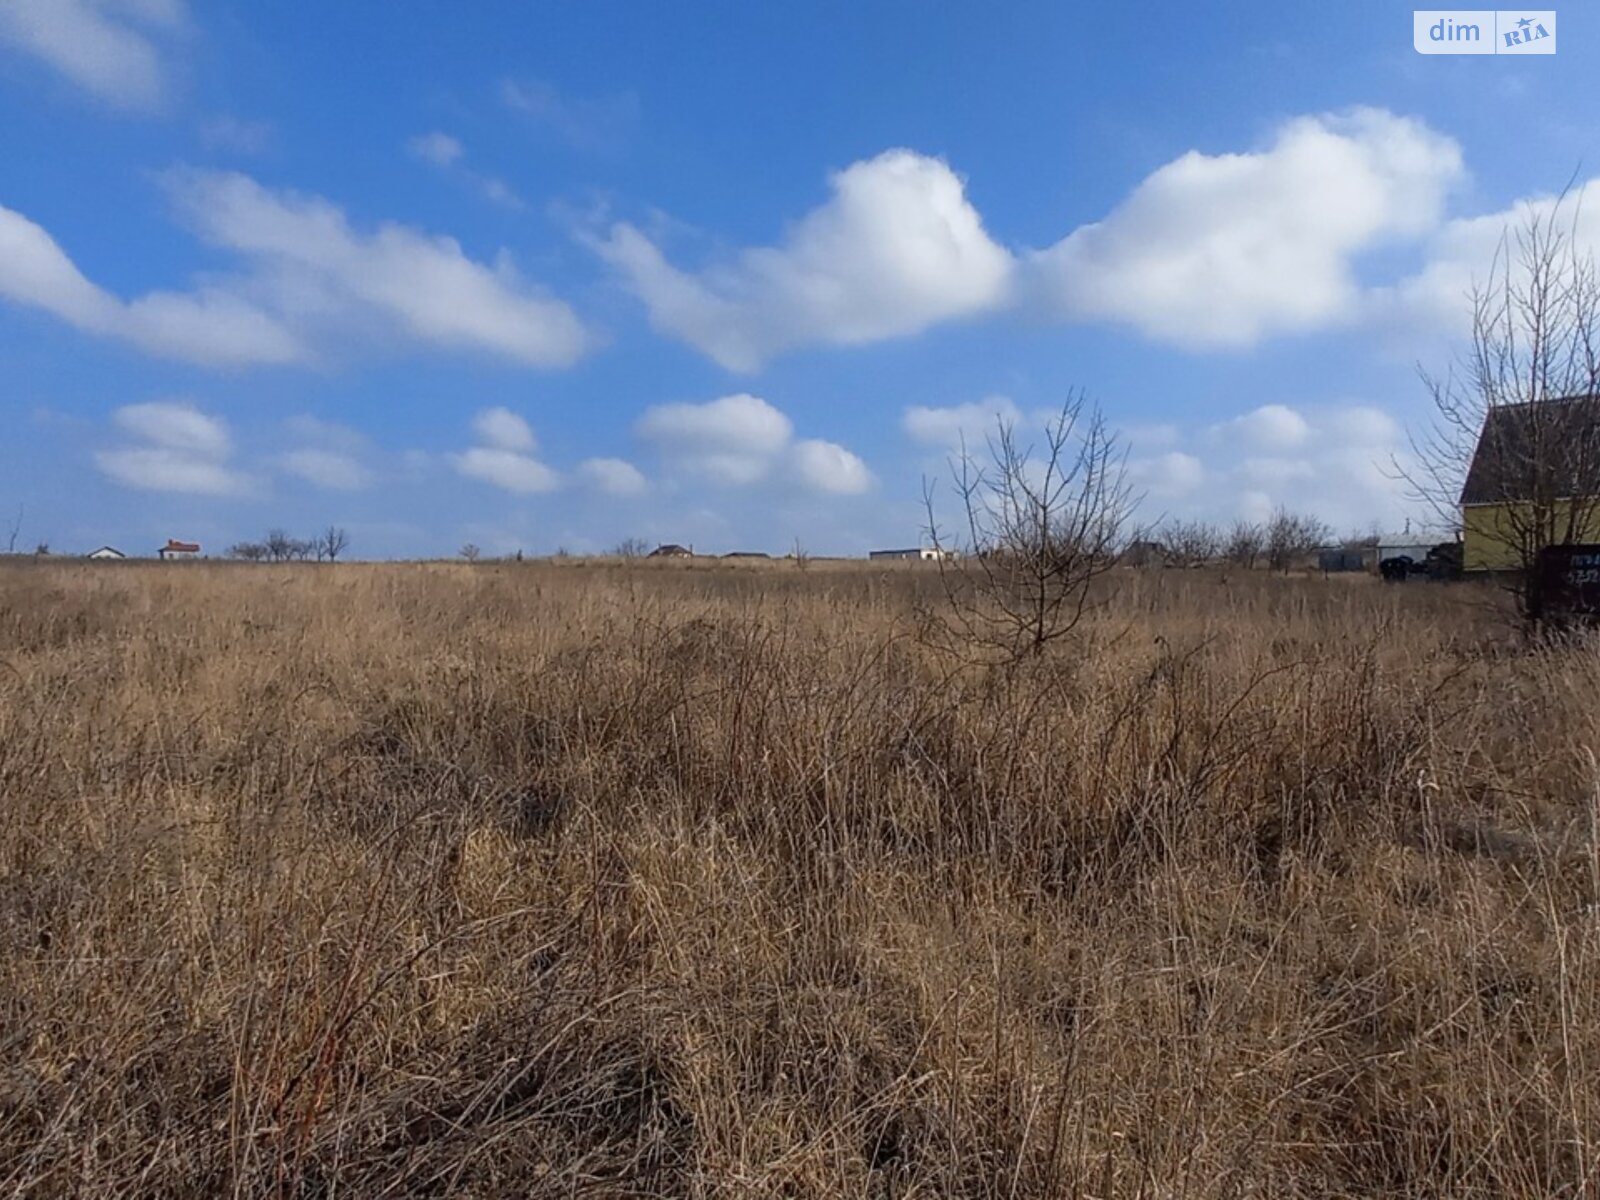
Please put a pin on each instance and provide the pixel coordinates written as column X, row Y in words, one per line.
column 924, row 554
column 1414, row 546
column 106, row 552
column 177, row 549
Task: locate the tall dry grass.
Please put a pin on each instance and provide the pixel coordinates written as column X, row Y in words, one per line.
column 641, row 881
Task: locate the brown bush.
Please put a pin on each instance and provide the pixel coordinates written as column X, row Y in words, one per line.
column 617, row 879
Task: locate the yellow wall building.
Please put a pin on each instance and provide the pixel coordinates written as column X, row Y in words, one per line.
column 1546, row 448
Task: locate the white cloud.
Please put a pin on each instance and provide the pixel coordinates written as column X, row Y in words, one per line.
column 107, row 47
column 178, row 427
column 1168, row 476
column 1223, row 250
column 593, row 124
column 507, row 469
column 741, row 440
column 947, row 428
column 1270, row 427
column 1331, row 461
column 183, row 450
column 437, row 148
column 896, row 249
column 507, row 458
column 733, row 440
column 327, row 468
column 447, row 153
column 1462, row 253
column 503, row 429
column 237, row 136
column 209, row 325
column 613, row 476
column 829, row 467
column 418, row 287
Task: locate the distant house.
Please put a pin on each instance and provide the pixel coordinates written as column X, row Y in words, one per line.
column 671, row 550
column 1145, row 554
column 106, row 552
column 177, row 549
column 1534, row 478
column 923, row 554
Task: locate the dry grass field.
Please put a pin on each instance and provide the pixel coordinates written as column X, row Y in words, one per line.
column 579, row 879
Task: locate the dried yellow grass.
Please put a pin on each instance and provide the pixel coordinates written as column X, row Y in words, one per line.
column 611, row 879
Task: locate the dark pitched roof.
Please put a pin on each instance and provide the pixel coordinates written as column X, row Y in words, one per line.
column 1544, row 447
column 671, row 550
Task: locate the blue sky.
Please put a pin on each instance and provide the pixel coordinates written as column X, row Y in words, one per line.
column 553, row 275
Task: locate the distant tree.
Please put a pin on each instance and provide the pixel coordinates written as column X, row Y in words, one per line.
column 42, row 549
column 280, row 546
column 1291, row 536
column 802, row 560
column 248, row 551
column 302, row 548
column 332, row 543
column 1244, row 543
column 631, row 548
column 1191, row 543
column 470, row 552
column 15, row 529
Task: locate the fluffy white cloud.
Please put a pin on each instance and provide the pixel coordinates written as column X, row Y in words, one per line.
column 1223, row 250
column 507, row 469
column 182, row 450
column 209, row 325
column 178, row 427
column 897, row 248
column 504, row 430
column 418, row 287
column 108, row 47
column 1170, row 476
column 1462, row 253
column 740, row 440
column 829, row 467
column 507, row 458
column 612, row 476
column 733, row 440
column 947, row 428
column 1333, row 461
column 1270, row 427
column 331, row 469
column 447, row 153
column 437, row 148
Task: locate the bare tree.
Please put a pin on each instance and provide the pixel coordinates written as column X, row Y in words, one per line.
column 1190, row 543
column 332, row 543
column 15, row 529
column 1040, row 530
column 802, row 559
column 1291, row 536
column 280, row 546
column 1516, row 424
column 631, row 548
column 1245, row 542
column 248, row 551
column 470, row 552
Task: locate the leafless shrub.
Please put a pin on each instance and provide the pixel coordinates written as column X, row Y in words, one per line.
column 1040, row 529
column 1290, row 537
column 1191, row 543
column 1246, row 542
